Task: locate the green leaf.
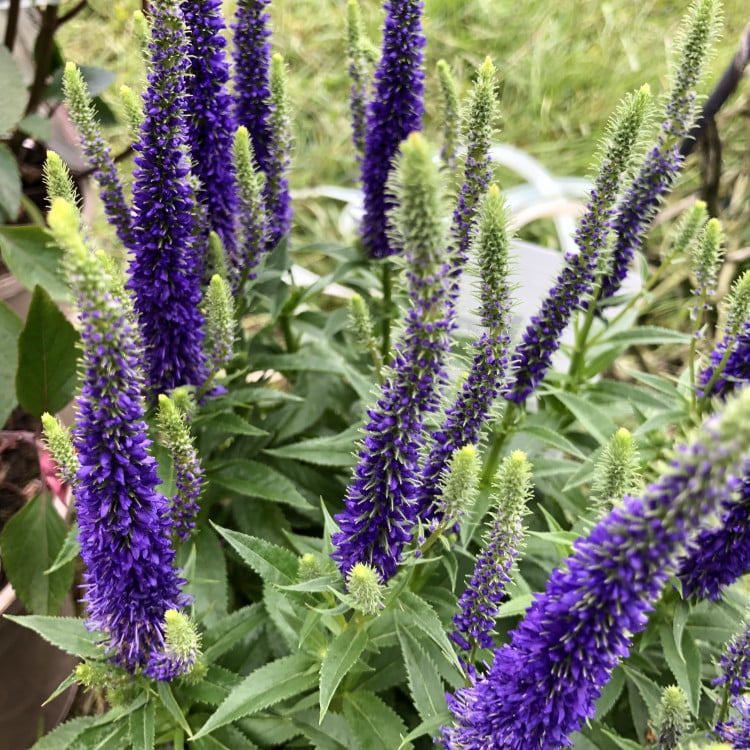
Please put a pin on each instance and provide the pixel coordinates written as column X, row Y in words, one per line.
column 686, row 674
column 272, row 563
column 647, row 688
column 593, row 419
column 228, row 423
column 253, row 479
column 425, row 685
column 516, row 606
column 10, row 327
column 13, row 93
column 30, row 542
column 415, row 612
column 68, row 551
column 375, row 725
column 679, row 620
column 46, row 379
column 90, row 732
column 142, row 728
column 37, row 126
column 649, row 335
column 67, row 633
column 553, row 439
column 337, row 450
column 10, row 185
column 214, row 687
column 169, row 702
column 231, row 630
column 431, row 727
column 271, row 683
column 611, row 692
column 341, row 656
column 207, row 583
column 34, row 259
column 64, row 736
column 226, row 738
column 333, row 733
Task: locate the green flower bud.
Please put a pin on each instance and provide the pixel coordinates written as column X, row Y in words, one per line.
column 57, row 180
column 360, row 317
column 689, row 228
column 60, row 444
column 133, row 105
column 365, row 589
column 739, row 305
column 217, row 257
column 219, row 322
column 707, row 257
column 461, row 485
column 617, row 471
column 673, row 717
column 309, row 567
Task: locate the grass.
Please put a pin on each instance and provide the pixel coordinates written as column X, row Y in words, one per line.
column 564, row 67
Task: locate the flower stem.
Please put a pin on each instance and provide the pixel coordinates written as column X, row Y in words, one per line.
column 386, row 321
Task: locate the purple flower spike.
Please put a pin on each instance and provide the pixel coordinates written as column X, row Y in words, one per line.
column 736, row 370
column 125, row 526
column 380, row 507
column 211, row 122
column 543, row 684
column 735, row 664
column 165, row 273
column 395, row 109
column 736, row 731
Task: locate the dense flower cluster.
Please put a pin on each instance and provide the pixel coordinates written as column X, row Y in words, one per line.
column 166, row 270
column 544, row 682
column 380, row 506
column 735, row 664
column 395, row 110
column 736, row 731
column 211, row 122
column 124, row 523
column 734, row 353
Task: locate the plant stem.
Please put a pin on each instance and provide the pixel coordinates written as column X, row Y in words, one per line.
column 387, row 299
column 45, row 44
column 500, row 435
column 178, row 742
column 11, row 29
column 72, row 13
column 579, row 354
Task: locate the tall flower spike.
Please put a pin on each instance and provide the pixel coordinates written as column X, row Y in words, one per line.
column 187, row 466
column 358, row 74
column 166, row 270
column 211, row 123
column 477, row 125
column 673, row 717
column 735, row 663
column 57, row 179
column 97, row 152
column 480, row 602
column 451, row 116
column 661, row 165
column 380, row 507
column 575, row 282
column 730, row 361
column 219, row 322
column 125, row 527
column 543, row 683
column 689, row 229
column 617, row 471
column 395, row 109
column 276, row 189
column 253, row 221
column 466, row 417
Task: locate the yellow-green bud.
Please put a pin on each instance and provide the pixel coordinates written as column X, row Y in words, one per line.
column 451, row 113
column 308, row 567
column 360, row 317
column 365, row 588
column 617, row 471
column 689, row 228
column 57, row 179
column 219, row 322
column 707, row 256
column 60, row 444
column 133, row 105
column 739, row 305
column 673, row 717
column 461, row 484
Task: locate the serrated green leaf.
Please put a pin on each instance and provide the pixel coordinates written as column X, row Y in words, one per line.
column 13, row 93
column 341, row 656
column 108, row 737
column 228, row 423
column 610, row 693
column 250, row 478
column 659, row 421
column 337, row 450
column 416, row 612
column 68, row 633
column 303, row 361
column 648, row 335
column 141, row 725
column 272, row 563
column 271, row 683
column 207, row 584
column 374, row 725
column 621, row 742
column 10, row 328
column 686, row 675
column 332, row 734
column 323, row 583
column 679, row 620
column 164, row 690
column 647, row 688
column 46, row 378
column 215, row 686
column 69, row 550
column 425, row 685
column 516, row 606
column 553, row 439
column 431, row 727
column 226, row 738
column 64, row 736
column 30, row 543
column 34, row 259
column 594, row 420
column 10, row 185
column 231, row 630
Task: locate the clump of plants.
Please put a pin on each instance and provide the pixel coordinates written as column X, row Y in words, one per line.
column 308, row 524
